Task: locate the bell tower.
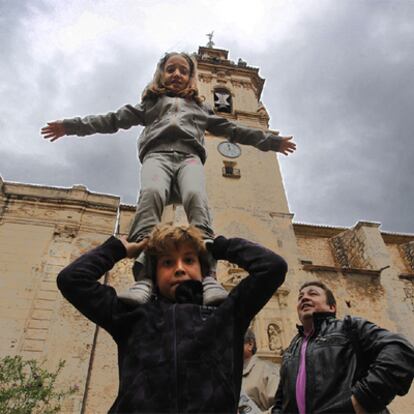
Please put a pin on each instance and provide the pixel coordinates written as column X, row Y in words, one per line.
column 239, row 177
column 245, row 188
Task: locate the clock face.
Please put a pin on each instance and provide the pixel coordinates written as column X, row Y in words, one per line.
column 229, row 149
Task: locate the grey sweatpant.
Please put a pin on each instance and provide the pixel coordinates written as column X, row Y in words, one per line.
column 168, row 177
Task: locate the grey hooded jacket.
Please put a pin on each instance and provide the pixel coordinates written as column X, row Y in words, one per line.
column 172, row 124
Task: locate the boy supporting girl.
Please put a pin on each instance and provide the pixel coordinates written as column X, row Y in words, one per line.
column 171, row 150
column 174, row 354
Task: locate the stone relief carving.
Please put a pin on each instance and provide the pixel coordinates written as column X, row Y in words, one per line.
column 282, row 297
column 263, row 111
column 349, row 250
column 65, row 232
column 409, row 293
column 206, row 78
column 407, row 250
column 274, row 338
column 340, row 250
column 241, row 84
column 233, row 275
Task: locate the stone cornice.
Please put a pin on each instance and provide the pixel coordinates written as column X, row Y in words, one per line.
column 77, row 195
column 397, row 238
column 315, row 230
column 344, row 270
column 263, row 119
column 127, row 207
column 227, row 65
column 302, row 229
column 274, row 214
column 364, row 223
column 220, row 63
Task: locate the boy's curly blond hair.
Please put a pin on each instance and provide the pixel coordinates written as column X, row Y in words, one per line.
column 165, row 238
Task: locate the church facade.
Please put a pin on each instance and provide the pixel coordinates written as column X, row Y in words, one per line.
column 42, row 229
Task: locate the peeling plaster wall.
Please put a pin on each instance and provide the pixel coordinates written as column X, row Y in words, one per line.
column 37, row 239
column 316, row 249
column 103, row 384
column 398, row 258
column 407, row 250
column 42, row 229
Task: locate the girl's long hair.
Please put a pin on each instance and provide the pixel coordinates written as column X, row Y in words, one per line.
column 156, row 87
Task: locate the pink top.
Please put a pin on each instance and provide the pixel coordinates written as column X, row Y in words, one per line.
column 301, row 378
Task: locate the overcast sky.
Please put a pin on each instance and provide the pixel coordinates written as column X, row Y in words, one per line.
column 339, row 77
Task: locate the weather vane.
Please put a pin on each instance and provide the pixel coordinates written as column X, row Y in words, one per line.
column 210, row 43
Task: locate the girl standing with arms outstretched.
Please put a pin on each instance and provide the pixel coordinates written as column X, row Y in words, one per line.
column 171, row 150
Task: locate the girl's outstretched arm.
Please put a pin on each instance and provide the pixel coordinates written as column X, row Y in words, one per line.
column 53, row 131
column 124, row 118
column 235, row 132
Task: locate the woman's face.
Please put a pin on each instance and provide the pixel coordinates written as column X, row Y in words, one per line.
column 176, row 73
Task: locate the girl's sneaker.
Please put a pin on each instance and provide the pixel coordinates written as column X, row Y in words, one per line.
column 213, row 292
column 138, row 294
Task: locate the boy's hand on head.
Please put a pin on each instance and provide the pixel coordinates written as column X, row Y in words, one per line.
column 133, row 249
column 287, row 146
column 53, row 131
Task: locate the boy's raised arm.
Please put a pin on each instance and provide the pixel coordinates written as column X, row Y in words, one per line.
column 79, row 283
column 267, row 271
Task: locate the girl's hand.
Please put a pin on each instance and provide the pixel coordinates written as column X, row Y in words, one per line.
column 133, row 249
column 53, row 131
column 286, row 146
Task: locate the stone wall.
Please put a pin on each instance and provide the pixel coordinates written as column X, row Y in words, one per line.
column 42, row 229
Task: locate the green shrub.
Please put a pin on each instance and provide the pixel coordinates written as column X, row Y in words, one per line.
column 27, row 388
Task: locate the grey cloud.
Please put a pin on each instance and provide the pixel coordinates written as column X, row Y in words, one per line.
column 342, row 86
column 107, row 163
column 102, row 163
column 346, row 95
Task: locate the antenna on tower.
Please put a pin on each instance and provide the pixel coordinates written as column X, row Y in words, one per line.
column 210, row 43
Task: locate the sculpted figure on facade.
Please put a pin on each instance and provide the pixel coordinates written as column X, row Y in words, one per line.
column 274, row 339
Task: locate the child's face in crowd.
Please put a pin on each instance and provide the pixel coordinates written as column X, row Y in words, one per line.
column 176, row 74
column 177, row 266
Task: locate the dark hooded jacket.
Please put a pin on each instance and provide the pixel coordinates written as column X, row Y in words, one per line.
column 176, row 357
column 344, row 358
